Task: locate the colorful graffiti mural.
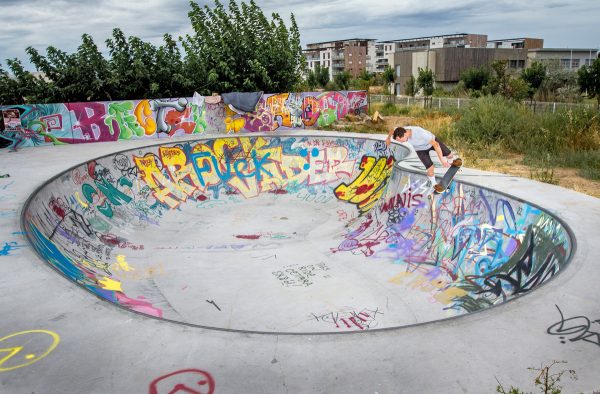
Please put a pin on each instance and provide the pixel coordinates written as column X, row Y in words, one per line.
column 269, row 199
column 76, row 123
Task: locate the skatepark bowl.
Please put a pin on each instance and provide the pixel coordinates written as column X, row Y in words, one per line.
column 288, row 234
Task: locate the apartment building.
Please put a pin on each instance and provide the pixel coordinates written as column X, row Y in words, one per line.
column 516, row 43
column 340, row 55
column 449, row 63
column 458, row 40
column 567, row 58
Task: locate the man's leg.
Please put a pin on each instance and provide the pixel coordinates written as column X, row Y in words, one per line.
column 425, row 158
column 446, row 152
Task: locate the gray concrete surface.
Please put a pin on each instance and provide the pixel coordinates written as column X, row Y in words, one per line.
column 89, row 345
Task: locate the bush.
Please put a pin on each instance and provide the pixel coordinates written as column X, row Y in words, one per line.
column 493, row 119
column 389, row 109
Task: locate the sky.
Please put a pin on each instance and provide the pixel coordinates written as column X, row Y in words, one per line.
column 61, row 23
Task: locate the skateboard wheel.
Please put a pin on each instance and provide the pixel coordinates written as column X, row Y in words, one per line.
column 457, row 163
column 439, row 188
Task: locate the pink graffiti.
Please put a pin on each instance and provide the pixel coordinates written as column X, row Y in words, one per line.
column 89, row 122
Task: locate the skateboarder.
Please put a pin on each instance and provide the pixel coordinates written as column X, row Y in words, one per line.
column 423, row 141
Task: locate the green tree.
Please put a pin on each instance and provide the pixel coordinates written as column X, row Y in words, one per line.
column 425, row 81
column 534, row 76
column 388, row 78
column 169, row 79
column 589, row 80
column 410, row 87
column 20, row 87
column 80, row 76
column 240, row 49
column 234, row 48
column 499, row 81
column 475, row 78
column 342, row 80
column 560, row 83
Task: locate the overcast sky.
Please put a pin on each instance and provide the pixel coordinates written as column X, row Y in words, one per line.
column 60, row 23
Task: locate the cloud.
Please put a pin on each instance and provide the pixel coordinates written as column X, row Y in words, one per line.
column 61, row 23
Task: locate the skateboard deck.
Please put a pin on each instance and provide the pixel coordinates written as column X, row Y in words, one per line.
column 446, row 180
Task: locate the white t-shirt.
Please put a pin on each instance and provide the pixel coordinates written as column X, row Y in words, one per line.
column 420, row 138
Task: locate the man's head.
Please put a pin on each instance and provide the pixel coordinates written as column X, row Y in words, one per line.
column 400, row 134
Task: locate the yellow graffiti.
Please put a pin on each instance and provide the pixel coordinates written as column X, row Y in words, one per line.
column 27, row 344
column 96, row 265
column 276, row 105
column 80, row 201
column 438, row 287
column 247, row 165
column 182, row 174
column 233, row 124
column 110, row 284
column 143, row 114
column 369, row 186
column 163, row 188
column 145, row 273
column 122, row 264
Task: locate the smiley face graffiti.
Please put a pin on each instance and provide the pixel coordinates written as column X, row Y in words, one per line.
column 25, row 348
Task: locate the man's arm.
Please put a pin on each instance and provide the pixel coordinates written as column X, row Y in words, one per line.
column 388, row 139
column 438, row 150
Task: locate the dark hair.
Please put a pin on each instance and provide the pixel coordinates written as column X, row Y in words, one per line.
column 399, row 132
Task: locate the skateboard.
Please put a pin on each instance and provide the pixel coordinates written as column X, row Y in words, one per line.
column 446, row 180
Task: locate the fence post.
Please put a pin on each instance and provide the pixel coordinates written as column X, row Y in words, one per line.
column 408, row 102
column 440, row 103
column 459, row 103
column 553, row 107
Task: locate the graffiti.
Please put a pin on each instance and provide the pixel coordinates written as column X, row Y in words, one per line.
column 366, row 189
column 25, row 348
column 5, row 176
column 89, row 122
column 192, row 381
column 350, row 319
column 119, row 115
column 466, row 250
column 87, row 274
column 532, row 264
column 431, row 281
column 73, row 123
column 578, row 327
column 162, row 123
column 8, row 247
column 240, row 165
column 301, row 276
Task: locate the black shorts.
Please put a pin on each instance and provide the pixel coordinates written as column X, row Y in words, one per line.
column 426, row 157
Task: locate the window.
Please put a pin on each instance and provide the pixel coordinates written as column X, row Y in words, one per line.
column 350, row 54
column 588, row 62
column 569, row 63
column 398, row 70
column 516, row 64
column 350, row 62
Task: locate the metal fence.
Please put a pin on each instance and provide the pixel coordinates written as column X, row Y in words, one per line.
column 451, row 102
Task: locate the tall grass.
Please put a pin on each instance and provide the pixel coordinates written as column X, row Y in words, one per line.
column 570, row 138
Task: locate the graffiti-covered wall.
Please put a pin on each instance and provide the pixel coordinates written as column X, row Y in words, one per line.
column 279, row 233
column 75, row 123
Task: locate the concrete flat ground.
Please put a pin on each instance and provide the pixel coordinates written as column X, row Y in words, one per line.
column 57, row 338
